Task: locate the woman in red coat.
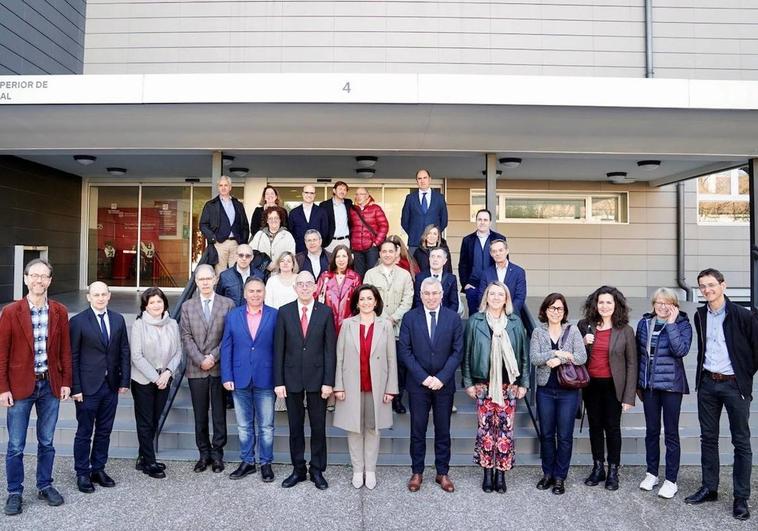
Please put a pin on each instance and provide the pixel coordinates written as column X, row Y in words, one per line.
column 336, row 285
column 368, row 228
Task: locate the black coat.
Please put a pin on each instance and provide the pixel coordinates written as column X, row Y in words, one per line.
column 298, row 226
column 328, row 207
column 92, row 358
column 210, row 221
column 304, row 363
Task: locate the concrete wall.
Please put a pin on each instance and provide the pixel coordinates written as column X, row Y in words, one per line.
column 637, row 257
column 39, row 206
column 42, row 36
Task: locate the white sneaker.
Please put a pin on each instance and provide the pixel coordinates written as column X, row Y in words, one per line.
column 649, row 482
column 668, row 490
column 370, row 480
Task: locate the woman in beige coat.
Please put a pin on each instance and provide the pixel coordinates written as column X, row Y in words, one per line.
column 365, row 381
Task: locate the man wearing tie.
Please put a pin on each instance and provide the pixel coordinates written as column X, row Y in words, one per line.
column 101, row 370
column 437, row 260
column 201, row 327
column 421, row 208
column 431, row 348
column 304, row 367
column 506, row 272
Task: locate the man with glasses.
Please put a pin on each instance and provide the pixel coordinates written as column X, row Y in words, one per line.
column 35, row 372
column 727, row 359
column 315, row 259
column 224, row 224
column 307, row 216
column 304, row 367
column 230, row 281
column 202, row 326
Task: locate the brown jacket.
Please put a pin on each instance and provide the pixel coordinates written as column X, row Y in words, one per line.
column 622, row 356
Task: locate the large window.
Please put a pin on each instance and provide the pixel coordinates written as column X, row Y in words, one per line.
column 556, row 207
column 724, row 198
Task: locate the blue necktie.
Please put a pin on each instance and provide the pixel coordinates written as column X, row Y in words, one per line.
column 434, row 325
column 103, row 329
column 424, row 203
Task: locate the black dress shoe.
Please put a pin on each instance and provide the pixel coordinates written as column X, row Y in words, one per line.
column 154, row 471
column 559, row 487
column 704, row 494
column 597, row 475
column 51, row 496
column 217, row 466
column 500, row 485
column 293, row 479
column 162, row 466
column 545, row 483
column 739, row 509
column 488, row 483
column 201, row 465
column 14, row 504
column 318, row 479
column 397, row 406
column 612, row 481
column 267, row 474
column 84, row 484
column 245, row 469
column 102, row 479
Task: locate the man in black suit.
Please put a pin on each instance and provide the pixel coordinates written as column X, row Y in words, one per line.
column 314, row 259
column 307, row 216
column 431, row 348
column 101, row 370
column 338, row 215
column 224, row 224
column 305, row 359
column 437, row 261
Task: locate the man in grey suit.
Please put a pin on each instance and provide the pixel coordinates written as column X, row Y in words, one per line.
column 202, row 327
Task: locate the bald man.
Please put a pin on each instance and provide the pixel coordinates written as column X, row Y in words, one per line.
column 101, row 370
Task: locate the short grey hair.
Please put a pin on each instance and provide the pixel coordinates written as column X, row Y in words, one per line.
column 225, row 178
column 312, row 231
column 429, row 282
column 665, row 293
column 251, row 279
column 205, row 267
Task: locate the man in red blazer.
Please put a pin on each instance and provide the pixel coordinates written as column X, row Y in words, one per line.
column 35, row 371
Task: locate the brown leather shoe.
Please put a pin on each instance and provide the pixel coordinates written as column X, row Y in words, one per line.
column 415, row 482
column 445, row 483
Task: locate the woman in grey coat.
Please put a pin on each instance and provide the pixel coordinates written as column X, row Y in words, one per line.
column 156, row 354
column 554, row 343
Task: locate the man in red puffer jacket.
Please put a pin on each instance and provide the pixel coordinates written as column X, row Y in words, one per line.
column 369, row 227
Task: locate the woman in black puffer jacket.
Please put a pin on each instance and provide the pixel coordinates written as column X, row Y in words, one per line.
column 663, row 339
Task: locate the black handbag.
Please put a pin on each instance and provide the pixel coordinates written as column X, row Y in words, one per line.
column 572, row 376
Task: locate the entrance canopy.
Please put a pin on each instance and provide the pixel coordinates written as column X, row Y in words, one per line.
column 563, row 128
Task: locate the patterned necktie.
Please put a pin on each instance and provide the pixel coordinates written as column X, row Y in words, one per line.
column 207, row 310
column 424, row 203
column 304, row 320
column 103, row 328
column 434, row 325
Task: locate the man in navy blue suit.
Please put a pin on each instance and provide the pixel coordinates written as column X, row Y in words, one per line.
column 421, row 208
column 307, row 216
column 437, row 260
column 475, row 258
column 247, row 369
column 431, row 348
column 101, row 370
column 506, row 272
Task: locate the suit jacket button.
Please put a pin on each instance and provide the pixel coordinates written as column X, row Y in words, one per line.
column 303, row 348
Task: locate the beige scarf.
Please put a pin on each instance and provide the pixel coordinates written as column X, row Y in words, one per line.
column 501, row 353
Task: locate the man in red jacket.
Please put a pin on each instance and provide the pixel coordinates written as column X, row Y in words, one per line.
column 368, row 229
column 35, row 371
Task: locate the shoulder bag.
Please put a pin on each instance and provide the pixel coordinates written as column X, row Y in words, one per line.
column 572, row 376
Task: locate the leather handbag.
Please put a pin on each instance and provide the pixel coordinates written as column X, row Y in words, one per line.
column 572, row 376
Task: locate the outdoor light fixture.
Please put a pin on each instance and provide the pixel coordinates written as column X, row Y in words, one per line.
column 116, row 171
column 497, row 172
column 649, row 164
column 366, row 162
column 227, row 160
column 239, row 172
column 619, row 177
column 510, row 162
column 365, row 172
column 85, row 160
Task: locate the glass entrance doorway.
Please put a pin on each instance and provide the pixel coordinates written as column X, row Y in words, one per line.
column 144, row 235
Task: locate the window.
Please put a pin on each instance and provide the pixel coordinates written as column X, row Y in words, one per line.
column 724, row 198
column 556, row 207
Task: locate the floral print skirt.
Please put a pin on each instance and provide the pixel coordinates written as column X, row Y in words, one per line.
column 494, row 446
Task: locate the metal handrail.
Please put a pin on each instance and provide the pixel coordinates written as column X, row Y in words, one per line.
column 530, row 323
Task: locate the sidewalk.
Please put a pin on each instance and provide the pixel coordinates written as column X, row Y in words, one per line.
column 186, row 500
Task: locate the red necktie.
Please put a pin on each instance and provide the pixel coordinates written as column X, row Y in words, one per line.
column 304, row 320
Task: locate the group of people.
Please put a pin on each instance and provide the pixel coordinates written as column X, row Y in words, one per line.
column 320, row 309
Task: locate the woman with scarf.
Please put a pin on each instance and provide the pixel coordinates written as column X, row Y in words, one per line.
column 495, row 373
column 273, row 239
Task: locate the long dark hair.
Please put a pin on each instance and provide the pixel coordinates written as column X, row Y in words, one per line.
column 147, row 295
column 357, row 295
column 620, row 315
column 333, row 259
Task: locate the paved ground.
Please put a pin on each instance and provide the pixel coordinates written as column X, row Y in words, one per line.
column 186, row 500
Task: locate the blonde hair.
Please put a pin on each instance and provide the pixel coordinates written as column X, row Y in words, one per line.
column 285, row 254
column 668, row 294
column 508, row 302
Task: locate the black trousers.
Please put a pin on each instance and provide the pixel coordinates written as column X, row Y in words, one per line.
column 712, row 397
column 421, row 402
column 365, row 260
column 317, row 419
column 604, row 418
column 207, row 393
column 148, row 406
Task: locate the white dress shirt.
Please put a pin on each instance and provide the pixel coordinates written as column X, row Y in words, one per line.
column 340, row 219
column 106, row 319
column 429, row 318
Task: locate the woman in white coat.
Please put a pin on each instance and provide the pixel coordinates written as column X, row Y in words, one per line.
column 365, row 381
column 273, row 239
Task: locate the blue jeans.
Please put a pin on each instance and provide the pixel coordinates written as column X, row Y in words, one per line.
column 654, row 401
column 556, row 408
column 46, row 405
column 254, row 408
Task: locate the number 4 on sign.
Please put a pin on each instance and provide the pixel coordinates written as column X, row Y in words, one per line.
column 346, row 88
